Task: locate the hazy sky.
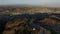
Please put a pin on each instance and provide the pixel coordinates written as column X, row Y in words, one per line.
column 2, row 2
column 31, row 2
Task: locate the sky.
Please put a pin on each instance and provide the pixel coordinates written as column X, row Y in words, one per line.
column 30, row 2
column 2, row 2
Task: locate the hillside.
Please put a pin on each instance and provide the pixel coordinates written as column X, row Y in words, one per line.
column 27, row 10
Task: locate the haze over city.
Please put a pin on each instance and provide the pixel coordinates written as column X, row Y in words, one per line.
column 44, row 3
